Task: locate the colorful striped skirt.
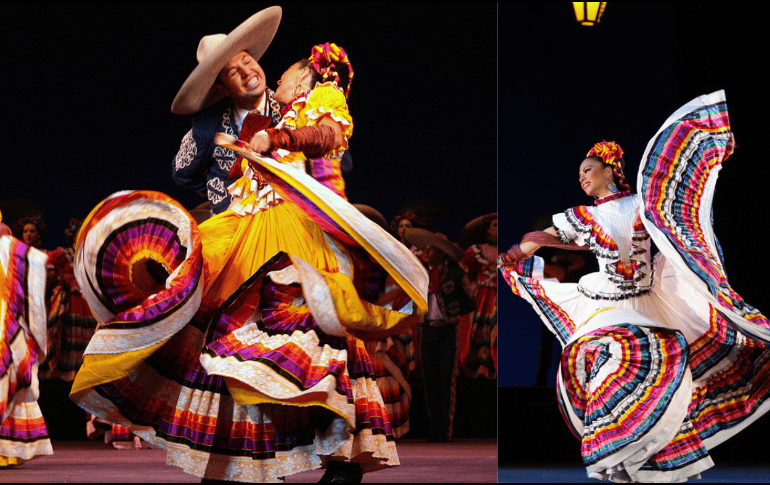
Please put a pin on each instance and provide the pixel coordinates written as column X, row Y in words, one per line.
column 23, row 433
column 256, row 378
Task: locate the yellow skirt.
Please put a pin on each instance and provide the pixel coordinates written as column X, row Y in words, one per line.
column 235, row 246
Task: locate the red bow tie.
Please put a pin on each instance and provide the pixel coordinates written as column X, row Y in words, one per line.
column 435, row 280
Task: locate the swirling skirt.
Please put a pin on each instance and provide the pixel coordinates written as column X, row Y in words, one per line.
column 254, row 380
column 625, row 389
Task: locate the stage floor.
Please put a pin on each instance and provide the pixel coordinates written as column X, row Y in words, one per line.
column 570, row 474
column 89, row 461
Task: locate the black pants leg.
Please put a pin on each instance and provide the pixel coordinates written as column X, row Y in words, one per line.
column 438, row 350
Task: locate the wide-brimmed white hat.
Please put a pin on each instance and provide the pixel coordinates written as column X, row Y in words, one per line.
column 422, row 237
column 214, row 51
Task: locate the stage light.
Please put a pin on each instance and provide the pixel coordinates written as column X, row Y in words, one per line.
column 589, row 13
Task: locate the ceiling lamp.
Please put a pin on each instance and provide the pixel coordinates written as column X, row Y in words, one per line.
column 589, row 13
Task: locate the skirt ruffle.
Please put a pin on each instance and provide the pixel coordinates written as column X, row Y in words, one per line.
column 625, row 389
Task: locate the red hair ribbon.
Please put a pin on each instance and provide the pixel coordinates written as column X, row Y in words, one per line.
column 323, row 58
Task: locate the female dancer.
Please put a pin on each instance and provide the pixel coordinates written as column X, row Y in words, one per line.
column 233, row 344
column 32, row 229
column 479, row 355
column 23, row 433
column 662, row 360
column 401, row 223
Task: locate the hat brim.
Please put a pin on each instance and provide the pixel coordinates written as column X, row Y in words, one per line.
column 474, row 230
column 423, row 237
column 373, row 215
column 253, row 36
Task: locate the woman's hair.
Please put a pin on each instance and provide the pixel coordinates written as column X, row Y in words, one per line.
column 36, row 221
column 316, row 77
column 413, row 218
column 71, row 233
column 487, row 221
column 329, row 63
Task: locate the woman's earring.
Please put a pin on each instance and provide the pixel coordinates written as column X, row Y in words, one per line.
column 612, row 187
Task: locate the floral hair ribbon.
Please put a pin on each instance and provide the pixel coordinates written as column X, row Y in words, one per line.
column 37, row 221
column 71, row 233
column 609, row 151
column 323, row 58
column 413, row 218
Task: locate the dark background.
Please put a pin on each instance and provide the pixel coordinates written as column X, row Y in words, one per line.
column 564, row 87
column 87, row 92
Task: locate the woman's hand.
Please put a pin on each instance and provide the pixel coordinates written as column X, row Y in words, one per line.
column 513, row 256
column 730, row 147
column 260, row 143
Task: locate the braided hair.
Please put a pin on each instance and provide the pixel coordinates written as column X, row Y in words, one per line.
column 324, row 61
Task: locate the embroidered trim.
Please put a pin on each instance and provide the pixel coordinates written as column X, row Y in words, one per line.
column 187, row 152
column 612, row 197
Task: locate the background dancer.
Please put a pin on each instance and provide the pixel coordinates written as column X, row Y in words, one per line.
column 23, row 433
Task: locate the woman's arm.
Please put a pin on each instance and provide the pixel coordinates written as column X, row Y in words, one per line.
column 525, row 249
column 529, row 246
column 312, row 140
column 533, row 241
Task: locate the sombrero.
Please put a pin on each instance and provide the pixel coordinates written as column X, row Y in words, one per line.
column 474, row 231
column 373, row 215
column 423, row 237
column 214, row 51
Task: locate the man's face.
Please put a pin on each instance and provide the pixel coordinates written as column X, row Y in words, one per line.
column 433, row 256
column 243, row 79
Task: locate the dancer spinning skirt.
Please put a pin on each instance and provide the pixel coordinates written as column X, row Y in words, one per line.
column 235, row 344
column 662, row 360
column 23, row 433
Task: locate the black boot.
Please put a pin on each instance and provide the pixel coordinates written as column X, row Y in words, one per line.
column 342, row 472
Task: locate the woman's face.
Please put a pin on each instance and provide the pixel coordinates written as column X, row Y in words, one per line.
column 492, row 231
column 403, row 224
column 289, row 82
column 594, row 177
column 30, row 236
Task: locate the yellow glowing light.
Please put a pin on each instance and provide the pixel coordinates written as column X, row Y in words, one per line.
column 589, row 13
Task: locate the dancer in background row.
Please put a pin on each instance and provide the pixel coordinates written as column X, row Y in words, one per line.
column 32, row 229
column 448, row 302
column 479, row 341
column 393, row 358
column 23, row 433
